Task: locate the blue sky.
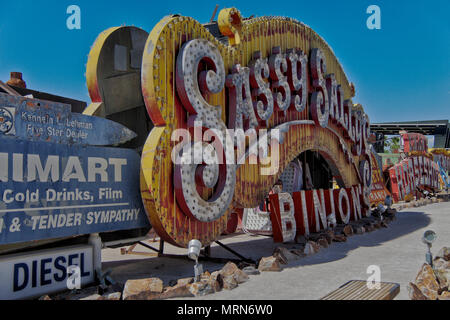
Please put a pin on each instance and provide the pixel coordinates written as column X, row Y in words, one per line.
column 401, row 72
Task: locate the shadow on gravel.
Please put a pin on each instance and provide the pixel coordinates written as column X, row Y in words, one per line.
column 168, row 269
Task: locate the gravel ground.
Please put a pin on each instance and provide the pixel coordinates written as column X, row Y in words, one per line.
column 398, row 251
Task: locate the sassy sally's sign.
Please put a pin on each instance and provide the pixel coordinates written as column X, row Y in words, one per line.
column 230, row 116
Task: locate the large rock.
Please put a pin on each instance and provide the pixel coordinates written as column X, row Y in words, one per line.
column 444, row 253
column 440, row 263
column 201, row 288
column 415, row 293
column 329, row 236
column 251, row 271
column 143, row 289
column 231, row 270
column 205, row 276
column 426, row 282
column 280, row 257
column 230, row 283
column 214, row 281
column 115, row 296
column 311, row 248
column 178, row 291
column 241, row 276
column 347, row 231
column 269, row 264
column 217, row 276
column 442, row 272
column 88, row 298
column 184, row 281
column 322, row 242
column 359, row 229
column 230, row 276
column 340, row 238
column 285, row 255
column 299, row 252
column 444, row 296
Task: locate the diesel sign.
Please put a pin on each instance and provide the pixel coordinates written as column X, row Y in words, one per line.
column 44, row 272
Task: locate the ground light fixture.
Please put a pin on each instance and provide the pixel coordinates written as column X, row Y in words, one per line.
column 194, row 248
column 381, row 209
column 428, row 238
column 388, row 201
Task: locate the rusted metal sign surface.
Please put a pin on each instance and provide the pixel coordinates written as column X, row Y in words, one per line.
column 38, row 120
column 53, row 190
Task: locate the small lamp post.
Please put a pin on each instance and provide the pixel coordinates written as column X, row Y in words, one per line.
column 388, row 201
column 193, row 254
column 428, row 238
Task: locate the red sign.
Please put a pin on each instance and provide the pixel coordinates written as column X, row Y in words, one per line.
column 308, row 211
column 411, row 173
column 414, row 142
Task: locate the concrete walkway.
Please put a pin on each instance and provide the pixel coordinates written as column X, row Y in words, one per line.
column 398, row 251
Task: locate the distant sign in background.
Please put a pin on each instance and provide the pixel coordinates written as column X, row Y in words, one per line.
column 51, row 190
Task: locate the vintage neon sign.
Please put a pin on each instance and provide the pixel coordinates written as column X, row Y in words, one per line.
column 274, row 74
column 303, row 212
column 379, row 192
column 417, row 170
column 414, row 142
column 413, row 172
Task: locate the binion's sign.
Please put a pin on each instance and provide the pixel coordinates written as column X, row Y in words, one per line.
column 230, row 115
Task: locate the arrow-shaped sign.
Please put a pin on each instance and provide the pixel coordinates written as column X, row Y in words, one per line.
column 39, row 120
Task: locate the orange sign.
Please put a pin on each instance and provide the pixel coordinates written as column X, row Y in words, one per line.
column 379, row 191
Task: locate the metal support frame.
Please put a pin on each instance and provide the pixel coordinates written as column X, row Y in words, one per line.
column 205, row 253
column 235, row 253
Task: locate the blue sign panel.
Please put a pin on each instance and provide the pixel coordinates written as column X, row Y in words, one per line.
column 50, row 190
column 39, row 120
